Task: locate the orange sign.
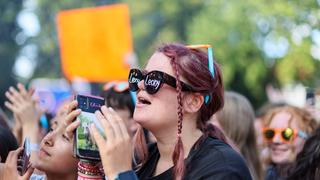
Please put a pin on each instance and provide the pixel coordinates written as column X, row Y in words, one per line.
column 94, row 42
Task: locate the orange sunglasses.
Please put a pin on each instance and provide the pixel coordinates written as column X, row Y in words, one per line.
column 287, row 134
column 118, row 86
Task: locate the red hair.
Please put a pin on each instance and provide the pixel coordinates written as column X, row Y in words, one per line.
column 192, row 65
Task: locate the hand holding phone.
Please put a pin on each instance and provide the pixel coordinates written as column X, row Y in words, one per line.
column 24, row 157
column 116, row 150
column 84, row 146
column 10, row 170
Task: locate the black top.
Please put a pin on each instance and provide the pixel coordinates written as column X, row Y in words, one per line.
column 211, row 159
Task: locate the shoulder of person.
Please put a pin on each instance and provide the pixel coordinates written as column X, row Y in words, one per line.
column 215, row 158
column 219, row 150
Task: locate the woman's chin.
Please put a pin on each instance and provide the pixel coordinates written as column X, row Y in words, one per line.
column 281, row 157
column 140, row 117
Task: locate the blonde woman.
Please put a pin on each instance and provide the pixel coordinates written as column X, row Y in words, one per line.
column 237, row 121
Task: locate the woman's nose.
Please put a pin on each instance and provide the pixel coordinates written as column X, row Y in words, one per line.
column 277, row 138
column 141, row 85
column 48, row 140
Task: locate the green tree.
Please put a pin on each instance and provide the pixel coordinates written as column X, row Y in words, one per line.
column 240, row 30
column 8, row 47
column 256, row 41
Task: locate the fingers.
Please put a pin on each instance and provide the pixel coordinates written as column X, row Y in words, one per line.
column 28, row 173
column 100, row 141
column 108, row 129
column 13, row 157
column 70, row 120
column 16, row 95
column 119, row 127
column 23, row 91
column 73, row 105
column 71, row 127
column 72, row 116
column 120, row 123
column 113, row 120
column 10, row 106
column 11, row 98
column 31, row 91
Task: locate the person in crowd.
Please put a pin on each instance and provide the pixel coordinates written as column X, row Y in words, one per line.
column 237, row 121
column 307, row 164
column 263, row 150
column 285, row 131
column 55, row 157
column 177, row 93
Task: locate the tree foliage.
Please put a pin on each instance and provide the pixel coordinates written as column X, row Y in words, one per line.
column 256, row 41
column 8, row 47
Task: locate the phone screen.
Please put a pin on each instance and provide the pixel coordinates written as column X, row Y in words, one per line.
column 310, row 97
column 86, row 147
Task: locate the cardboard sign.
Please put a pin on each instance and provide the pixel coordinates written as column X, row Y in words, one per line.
column 94, row 42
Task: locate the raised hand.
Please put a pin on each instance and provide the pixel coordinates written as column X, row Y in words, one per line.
column 116, row 150
column 26, row 111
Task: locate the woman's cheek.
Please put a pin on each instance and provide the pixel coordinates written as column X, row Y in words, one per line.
column 298, row 143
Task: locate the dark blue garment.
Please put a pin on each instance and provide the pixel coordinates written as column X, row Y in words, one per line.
column 209, row 159
column 127, row 175
column 271, row 173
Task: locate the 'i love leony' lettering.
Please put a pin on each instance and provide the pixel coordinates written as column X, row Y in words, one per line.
column 153, row 82
column 133, row 79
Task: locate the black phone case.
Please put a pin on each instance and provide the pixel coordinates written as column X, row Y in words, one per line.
column 24, row 157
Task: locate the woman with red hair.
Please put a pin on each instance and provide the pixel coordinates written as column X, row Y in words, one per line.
column 177, row 92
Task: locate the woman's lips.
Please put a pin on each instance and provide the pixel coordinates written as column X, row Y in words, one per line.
column 277, row 150
column 43, row 153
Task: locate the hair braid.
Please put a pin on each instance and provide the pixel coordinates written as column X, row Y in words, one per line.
column 178, row 154
column 140, row 148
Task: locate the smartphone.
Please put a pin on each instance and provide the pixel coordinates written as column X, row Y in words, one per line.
column 84, row 146
column 317, row 99
column 24, row 157
column 310, row 97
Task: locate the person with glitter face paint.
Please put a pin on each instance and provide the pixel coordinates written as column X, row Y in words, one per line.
column 178, row 91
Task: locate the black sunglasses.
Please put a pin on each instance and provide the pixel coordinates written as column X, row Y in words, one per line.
column 153, row 81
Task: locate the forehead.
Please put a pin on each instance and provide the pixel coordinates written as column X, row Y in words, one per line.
column 159, row 61
column 283, row 119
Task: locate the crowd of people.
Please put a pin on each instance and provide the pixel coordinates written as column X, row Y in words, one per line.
column 173, row 119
